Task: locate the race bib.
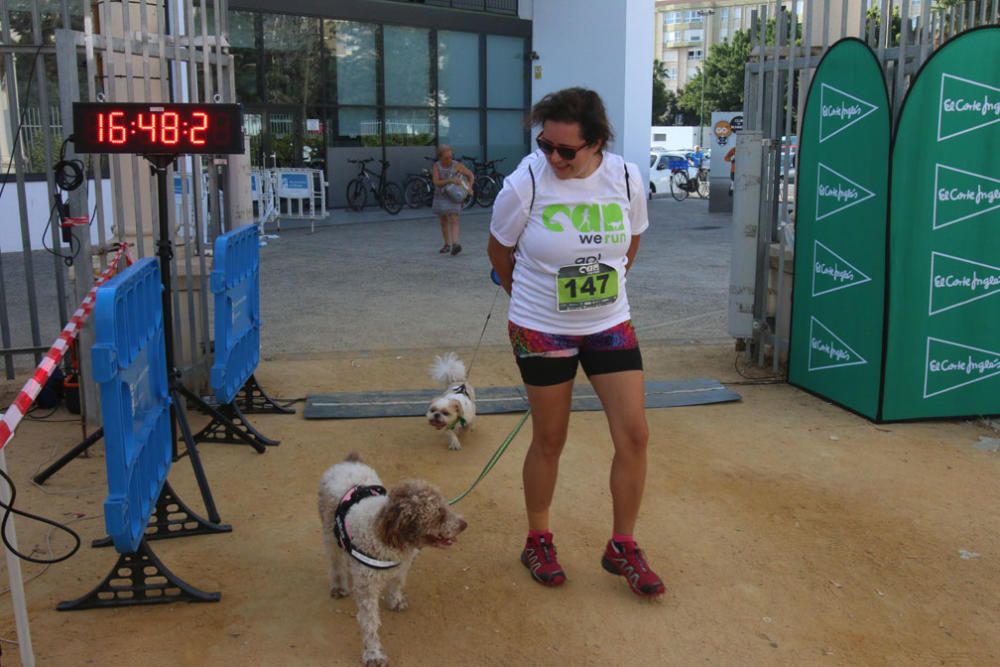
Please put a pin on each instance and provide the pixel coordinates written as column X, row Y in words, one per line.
column 585, row 286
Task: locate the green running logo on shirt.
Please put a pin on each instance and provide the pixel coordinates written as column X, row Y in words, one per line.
column 596, row 223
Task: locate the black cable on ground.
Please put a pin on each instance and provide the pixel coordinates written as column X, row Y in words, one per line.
column 766, row 379
column 10, row 509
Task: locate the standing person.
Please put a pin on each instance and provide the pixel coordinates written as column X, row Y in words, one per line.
column 449, row 172
column 731, row 159
column 564, row 232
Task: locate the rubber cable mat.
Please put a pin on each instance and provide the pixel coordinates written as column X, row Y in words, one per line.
column 497, row 400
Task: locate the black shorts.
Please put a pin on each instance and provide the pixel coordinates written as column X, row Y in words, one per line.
column 546, row 359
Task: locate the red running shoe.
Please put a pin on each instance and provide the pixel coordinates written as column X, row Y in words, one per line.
column 627, row 560
column 539, row 556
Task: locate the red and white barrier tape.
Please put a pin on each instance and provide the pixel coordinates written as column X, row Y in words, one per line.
column 12, row 417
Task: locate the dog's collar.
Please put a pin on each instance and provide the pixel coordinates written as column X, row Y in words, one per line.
column 353, row 496
column 459, row 421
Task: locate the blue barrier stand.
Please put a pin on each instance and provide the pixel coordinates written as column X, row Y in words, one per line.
column 235, row 283
column 130, row 364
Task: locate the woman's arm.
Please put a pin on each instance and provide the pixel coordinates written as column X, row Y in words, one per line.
column 465, row 172
column 502, row 259
column 436, row 178
column 633, row 248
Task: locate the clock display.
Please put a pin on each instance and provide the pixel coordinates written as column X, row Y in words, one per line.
column 157, row 128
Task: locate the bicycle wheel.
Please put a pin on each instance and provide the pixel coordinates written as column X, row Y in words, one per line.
column 416, row 192
column 392, row 198
column 703, row 184
column 486, row 191
column 679, row 185
column 356, row 194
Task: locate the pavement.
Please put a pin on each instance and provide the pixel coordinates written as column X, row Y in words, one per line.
column 371, row 281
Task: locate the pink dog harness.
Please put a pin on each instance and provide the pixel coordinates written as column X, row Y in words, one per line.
column 353, row 496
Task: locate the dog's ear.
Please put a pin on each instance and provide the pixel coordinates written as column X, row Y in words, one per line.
column 412, row 510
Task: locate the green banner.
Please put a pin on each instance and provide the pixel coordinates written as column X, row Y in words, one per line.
column 842, row 173
column 943, row 336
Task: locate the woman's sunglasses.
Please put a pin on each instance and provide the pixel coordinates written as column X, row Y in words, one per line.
column 565, row 152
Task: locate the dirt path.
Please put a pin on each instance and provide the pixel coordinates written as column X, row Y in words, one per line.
column 790, row 532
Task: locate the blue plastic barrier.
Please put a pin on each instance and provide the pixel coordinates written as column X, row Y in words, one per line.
column 129, row 362
column 235, row 283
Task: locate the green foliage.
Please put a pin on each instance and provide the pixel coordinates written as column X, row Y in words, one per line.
column 720, row 79
column 721, row 73
column 873, row 23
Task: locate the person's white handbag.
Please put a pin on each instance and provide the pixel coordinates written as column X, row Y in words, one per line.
column 457, row 193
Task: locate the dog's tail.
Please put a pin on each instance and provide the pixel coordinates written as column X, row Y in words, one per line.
column 448, row 369
column 353, row 457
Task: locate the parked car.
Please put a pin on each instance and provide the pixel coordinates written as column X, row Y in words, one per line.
column 659, row 171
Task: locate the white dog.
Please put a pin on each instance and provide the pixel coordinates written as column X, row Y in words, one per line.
column 373, row 536
column 455, row 408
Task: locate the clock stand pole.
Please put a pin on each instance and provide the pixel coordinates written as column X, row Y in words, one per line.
column 178, row 417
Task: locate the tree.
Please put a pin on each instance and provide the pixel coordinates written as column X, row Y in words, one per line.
column 721, row 73
column 720, row 77
column 660, row 100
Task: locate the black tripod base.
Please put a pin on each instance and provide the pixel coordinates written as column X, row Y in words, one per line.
column 137, row 579
column 230, row 426
column 252, row 399
column 171, row 518
column 69, row 456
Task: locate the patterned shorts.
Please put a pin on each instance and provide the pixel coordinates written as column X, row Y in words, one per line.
column 547, row 359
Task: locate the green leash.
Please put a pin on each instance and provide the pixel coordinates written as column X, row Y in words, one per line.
column 496, row 457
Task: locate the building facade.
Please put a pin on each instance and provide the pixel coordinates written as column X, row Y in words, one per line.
column 685, row 31
column 324, row 82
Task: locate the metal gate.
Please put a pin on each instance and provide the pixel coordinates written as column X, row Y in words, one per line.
column 785, row 48
column 57, row 53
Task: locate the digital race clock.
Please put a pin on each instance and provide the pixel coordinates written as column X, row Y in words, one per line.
column 157, row 128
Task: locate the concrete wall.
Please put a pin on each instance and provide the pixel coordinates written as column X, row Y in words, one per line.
column 605, row 46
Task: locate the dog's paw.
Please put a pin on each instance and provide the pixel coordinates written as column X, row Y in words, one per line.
column 339, row 592
column 454, row 445
column 374, row 659
column 397, row 602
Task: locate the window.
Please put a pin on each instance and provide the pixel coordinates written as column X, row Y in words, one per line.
column 407, row 66
column 724, row 14
column 693, row 35
column 672, row 17
column 693, row 16
column 670, row 36
column 353, row 48
column 670, row 73
column 505, row 71
column 738, row 13
column 458, row 69
column 694, row 54
column 292, row 71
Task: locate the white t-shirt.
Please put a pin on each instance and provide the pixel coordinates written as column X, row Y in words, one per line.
column 573, row 222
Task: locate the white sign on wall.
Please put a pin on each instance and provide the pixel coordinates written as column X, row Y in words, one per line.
column 722, row 166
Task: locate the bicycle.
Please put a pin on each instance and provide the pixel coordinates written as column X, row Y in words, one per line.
column 681, row 183
column 418, row 191
column 388, row 195
column 488, row 180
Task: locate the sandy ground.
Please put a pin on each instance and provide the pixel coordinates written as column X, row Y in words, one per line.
column 789, row 531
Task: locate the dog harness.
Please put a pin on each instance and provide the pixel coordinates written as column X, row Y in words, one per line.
column 353, row 496
column 459, row 420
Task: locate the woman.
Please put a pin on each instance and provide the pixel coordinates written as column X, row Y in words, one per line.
column 565, row 230
column 447, row 171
